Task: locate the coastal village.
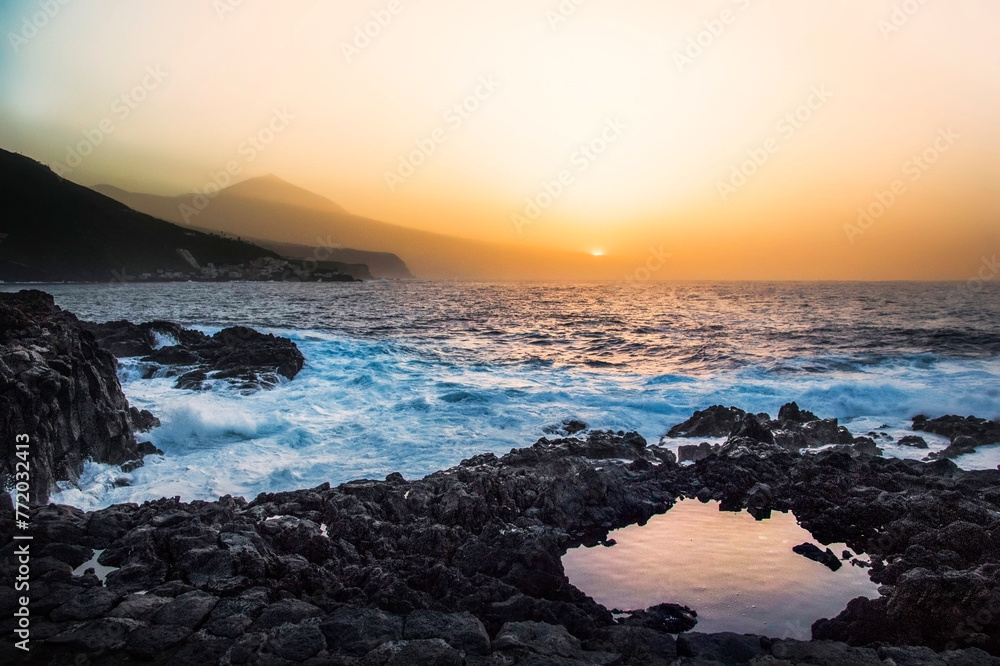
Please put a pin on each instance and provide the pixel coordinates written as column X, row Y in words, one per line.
column 265, row 269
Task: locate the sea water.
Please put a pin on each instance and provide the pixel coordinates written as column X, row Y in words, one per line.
column 416, row 376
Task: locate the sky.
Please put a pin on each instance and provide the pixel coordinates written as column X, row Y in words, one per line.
column 747, row 139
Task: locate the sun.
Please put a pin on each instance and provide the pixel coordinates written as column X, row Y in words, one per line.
column 597, row 253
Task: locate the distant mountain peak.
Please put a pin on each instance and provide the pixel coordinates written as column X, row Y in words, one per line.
column 274, row 189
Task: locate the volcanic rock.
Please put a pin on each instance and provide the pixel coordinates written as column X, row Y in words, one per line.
column 59, row 387
column 241, row 355
column 716, row 421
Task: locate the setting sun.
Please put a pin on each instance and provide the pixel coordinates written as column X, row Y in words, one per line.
column 724, row 129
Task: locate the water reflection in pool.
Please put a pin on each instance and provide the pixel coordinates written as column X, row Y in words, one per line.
column 740, row 574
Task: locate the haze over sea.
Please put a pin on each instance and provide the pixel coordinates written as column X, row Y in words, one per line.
column 416, row 376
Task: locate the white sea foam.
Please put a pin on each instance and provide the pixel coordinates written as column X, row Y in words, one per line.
column 164, row 340
column 363, row 408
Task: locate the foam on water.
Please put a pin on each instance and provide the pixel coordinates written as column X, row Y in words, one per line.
column 413, row 377
column 364, row 408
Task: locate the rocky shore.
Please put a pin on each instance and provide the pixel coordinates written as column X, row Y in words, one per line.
column 465, row 566
column 59, row 382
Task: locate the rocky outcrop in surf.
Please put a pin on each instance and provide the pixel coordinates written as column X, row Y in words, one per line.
column 966, row 434
column 242, row 356
column 59, row 387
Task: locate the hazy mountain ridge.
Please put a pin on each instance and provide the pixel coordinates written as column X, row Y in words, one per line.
column 280, row 217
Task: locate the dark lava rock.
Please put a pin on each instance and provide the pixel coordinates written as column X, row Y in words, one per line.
column 186, row 610
column 866, row 446
column 828, row 653
column 960, row 446
column 716, row 421
column 750, row 427
column 567, row 428
column 826, row 431
column 432, row 652
column 725, row 647
column 915, row 441
column 668, row 618
column 814, row 553
column 147, row 643
column 636, row 645
column 86, row 606
column 287, row 610
column 462, row 631
column 241, row 355
column 553, row 643
column 690, row 452
column 429, row 569
column 792, row 414
column 143, row 420
column 97, row 635
column 72, row 554
column 297, row 642
column 139, row 607
column 360, row 630
column 58, row 386
column 981, row 431
column 910, row 656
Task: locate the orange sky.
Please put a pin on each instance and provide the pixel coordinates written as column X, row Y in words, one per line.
column 183, row 84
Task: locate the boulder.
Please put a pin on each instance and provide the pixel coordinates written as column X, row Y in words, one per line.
column 725, row 647
column 811, row 551
column 716, row 421
column 462, row 631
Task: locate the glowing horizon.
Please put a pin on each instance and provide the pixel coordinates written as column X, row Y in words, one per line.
column 748, row 139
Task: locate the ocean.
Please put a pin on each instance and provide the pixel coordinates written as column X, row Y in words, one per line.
column 416, row 376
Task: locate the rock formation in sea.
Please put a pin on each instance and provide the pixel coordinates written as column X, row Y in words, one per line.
column 59, row 383
column 61, row 388
column 240, row 355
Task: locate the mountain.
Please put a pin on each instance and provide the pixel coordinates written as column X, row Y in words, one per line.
column 275, row 211
column 271, row 188
column 56, row 230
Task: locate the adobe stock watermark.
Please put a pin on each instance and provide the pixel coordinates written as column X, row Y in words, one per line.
column 33, row 24
column 705, row 39
column 989, row 270
column 121, row 109
column 223, row 8
column 581, row 160
column 914, row 169
column 456, row 116
column 249, row 150
column 976, row 624
column 786, row 128
column 655, row 262
column 366, row 33
column 899, row 17
column 563, row 12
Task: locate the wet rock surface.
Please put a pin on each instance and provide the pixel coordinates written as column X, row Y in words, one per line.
column 464, row 566
column 966, row 434
column 59, row 386
column 246, row 358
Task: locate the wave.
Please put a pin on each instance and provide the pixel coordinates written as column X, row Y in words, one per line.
column 366, row 407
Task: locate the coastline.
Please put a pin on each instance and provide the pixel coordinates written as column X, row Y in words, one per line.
column 472, row 555
column 465, row 564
